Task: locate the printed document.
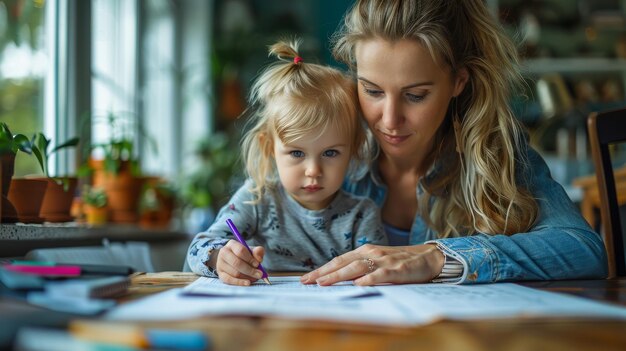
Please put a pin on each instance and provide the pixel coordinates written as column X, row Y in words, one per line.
column 395, row 305
column 281, row 286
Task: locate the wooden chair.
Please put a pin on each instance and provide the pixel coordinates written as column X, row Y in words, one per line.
column 607, row 128
column 591, row 202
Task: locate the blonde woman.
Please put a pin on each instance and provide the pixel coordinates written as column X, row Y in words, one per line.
column 306, row 132
column 463, row 196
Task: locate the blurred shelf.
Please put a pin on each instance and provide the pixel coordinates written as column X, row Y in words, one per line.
column 573, row 65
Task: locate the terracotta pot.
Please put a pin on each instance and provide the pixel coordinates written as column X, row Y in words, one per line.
column 96, row 215
column 161, row 215
column 7, row 210
column 160, row 218
column 57, row 201
column 232, row 102
column 27, row 195
column 8, row 164
column 123, row 191
column 98, row 176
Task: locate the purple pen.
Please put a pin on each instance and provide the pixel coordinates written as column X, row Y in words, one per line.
column 239, row 238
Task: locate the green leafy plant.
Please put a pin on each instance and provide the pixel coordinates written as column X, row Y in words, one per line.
column 40, row 146
column 11, row 143
column 209, row 185
column 152, row 195
column 119, row 151
column 94, row 196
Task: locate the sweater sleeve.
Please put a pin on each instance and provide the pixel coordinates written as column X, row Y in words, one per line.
column 243, row 214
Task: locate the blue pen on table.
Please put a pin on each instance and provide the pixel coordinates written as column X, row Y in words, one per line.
column 239, row 238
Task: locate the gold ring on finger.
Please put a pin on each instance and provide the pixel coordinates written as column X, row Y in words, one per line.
column 371, row 266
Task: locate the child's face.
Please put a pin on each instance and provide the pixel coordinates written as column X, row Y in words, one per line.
column 312, row 168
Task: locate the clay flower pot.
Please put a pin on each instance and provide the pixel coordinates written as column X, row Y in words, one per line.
column 123, row 190
column 157, row 203
column 96, row 215
column 26, row 195
column 58, row 199
column 7, row 213
column 123, row 193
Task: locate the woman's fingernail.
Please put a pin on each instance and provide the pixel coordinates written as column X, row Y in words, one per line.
column 258, row 274
column 321, row 280
column 304, row 278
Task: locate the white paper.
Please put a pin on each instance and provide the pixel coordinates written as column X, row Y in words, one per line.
column 501, row 300
column 175, row 305
column 288, row 286
column 405, row 305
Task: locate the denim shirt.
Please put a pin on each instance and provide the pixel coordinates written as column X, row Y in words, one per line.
column 560, row 245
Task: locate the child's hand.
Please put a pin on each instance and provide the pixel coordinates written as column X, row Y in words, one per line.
column 236, row 266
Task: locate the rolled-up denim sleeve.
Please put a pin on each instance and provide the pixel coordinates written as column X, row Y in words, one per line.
column 560, row 245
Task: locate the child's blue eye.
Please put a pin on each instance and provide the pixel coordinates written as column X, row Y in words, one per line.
column 331, row 153
column 296, row 153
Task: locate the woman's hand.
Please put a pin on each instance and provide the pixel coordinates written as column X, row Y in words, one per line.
column 235, row 265
column 372, row 264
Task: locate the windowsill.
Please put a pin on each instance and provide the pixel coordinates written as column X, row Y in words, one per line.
column 70, row 230
column 17, row 239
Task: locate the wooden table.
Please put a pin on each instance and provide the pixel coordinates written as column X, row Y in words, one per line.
column 275, row 334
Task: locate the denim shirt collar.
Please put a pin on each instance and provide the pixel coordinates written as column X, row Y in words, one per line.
column 419, row 232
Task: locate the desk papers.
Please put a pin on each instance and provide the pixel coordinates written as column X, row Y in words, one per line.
column 281, row 286
column 176, row 305
column 404, row 305
column 501, row 300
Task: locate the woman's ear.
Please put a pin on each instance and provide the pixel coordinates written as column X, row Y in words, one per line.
column 462, row 76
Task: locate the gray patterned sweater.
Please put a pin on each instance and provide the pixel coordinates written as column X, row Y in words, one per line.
column 295, row 239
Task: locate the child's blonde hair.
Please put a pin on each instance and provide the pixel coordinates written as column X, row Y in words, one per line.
column 290, row 99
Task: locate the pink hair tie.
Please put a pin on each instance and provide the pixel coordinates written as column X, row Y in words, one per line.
column 297, row 60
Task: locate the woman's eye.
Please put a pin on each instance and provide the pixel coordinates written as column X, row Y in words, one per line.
column 330, row 153
column 296, row 153
column 373, row 92
column 415, row 98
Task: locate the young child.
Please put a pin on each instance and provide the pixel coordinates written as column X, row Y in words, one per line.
column 306, row 135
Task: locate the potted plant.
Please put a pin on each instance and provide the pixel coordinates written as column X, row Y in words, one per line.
column 59, row 195
column 158, row 200
column 95, row 205
column 209, row 185
column 26, row 195
column 10, row 144
column 118, row 172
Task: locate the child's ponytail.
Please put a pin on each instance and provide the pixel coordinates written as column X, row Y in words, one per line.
column 291, row 98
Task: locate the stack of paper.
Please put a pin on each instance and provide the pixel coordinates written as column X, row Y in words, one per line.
column 406, row 305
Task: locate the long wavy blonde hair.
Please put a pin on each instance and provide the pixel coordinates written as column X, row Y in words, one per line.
column 292, row 98
column 475, row 186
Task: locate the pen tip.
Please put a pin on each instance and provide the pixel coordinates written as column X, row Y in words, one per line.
column 266, row 280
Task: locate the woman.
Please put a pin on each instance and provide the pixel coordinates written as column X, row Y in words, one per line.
column 460, row 192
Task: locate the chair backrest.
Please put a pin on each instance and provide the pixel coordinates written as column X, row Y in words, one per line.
column 606, row 128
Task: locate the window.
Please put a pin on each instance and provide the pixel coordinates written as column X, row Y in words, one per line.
column 24, row 61
column 175, row 82
column 150, row 62
column 114, row 75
